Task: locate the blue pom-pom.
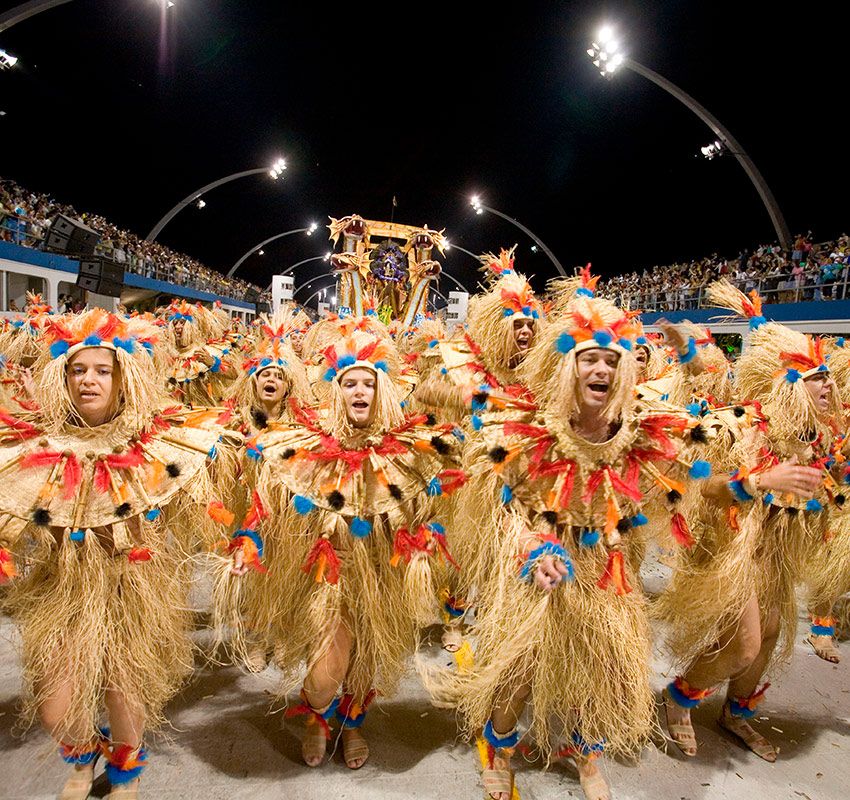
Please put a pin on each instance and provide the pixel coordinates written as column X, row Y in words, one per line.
column 641, row 340
column 813, row 505
column 589, row 538
column 148, row 347
column 329, row 375
column 792, row 375
column 477, row 424
column 153, row 514
column 216, row 365
column 583, row 291
column 303, row 505
column 602, row 338
column 433, row 342
column 125, row 344
column 526, row 310
column 507, row 494
column 436, row 527
column 381, row 365
column 839, row 342
column 265, row 362
column 360, row 527
column 444, row 371
column 78, row 535
column 255, row 453
column 823, row 367
column 638, row 520
column 535, row 314
column 93, row 341
column 58, row 348
column 508, row 312
column 346, row 361
column 565, row 343
column 626, row 344
column 768, row 499
column 435, row 488
column 699, row 470
column 694, row 409
column 756, row 322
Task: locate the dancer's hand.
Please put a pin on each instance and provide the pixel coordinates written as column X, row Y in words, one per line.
column 237, row 564
column 549, row 573
column 789, row 477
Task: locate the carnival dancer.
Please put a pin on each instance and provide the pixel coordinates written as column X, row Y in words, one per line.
column 346, row 508
column 560, row 616
column 101, row 603
column 204, row 364
column 732, row 597
column 478, row 382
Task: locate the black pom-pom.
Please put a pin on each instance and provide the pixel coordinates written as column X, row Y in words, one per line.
column 41, row 516
column 260, row 418
column 172, row 469
column 624, row 525
column 123, row 509
column 480, row 398
column 698, row 434
column 335, row 500
column 439, row 445
column 673, row 496
column 430, row 419
column 497, row 454
column 394, row 491
column 550, row 516
column 791, row 511
column 738, row 411
column 288, row 453
column 840, row 499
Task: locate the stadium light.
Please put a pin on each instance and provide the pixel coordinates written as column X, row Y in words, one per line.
column 7, row 60
column 607, row 58
column 277, row 168
column 479, row 206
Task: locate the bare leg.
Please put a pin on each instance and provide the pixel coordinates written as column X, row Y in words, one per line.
column 320, row 687
column 737, row 648
column 126, row 719
column 508, row 708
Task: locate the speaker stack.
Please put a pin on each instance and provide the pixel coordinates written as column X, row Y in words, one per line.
column 101, row 276
column 67, row 235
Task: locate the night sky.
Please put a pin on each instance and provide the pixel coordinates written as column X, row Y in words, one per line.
column 115, row 112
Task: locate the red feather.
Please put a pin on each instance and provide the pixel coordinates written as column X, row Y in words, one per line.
column 101, row 477
column 72, row 477
column 40, row 458
column 132, row 458
column 680, row 531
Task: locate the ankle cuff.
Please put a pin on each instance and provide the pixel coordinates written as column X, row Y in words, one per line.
column 76, row 755
column 319, row 717
column 124, row 763
column 745, row 707
column 823, row 626
column 352, row 714
column 684, row 695
column 580, row 747
column 500, row 740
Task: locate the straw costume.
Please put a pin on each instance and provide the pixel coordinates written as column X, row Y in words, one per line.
column 344, row 526
column 101, row 595
column 761, row 546
column 583, row 649
column 204, row 365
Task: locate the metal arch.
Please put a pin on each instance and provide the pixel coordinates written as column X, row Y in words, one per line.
column 155, row 231
column 780, row 226
column 263, row 244
column 27, row 10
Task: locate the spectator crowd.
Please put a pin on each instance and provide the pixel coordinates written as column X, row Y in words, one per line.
column 25, row 218
column 809, row 272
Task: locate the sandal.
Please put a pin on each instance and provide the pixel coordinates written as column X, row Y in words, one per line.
column 127, row 791
column 452, row 638
column 824, row 647
column 314, row 743
column 498, row 782
column 739, row 727
column 255, row 658
column 681, row 734
column 354, row 748
column 593, row 784
column 79, row 783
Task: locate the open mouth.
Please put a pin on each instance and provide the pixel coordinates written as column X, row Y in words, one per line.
column 599, row 390
column 360, row 405
column 269, row 390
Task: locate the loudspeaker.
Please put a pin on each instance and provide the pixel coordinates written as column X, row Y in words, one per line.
column 69, row 235
column 101, row 276
column 88, row 282
column 251, row 295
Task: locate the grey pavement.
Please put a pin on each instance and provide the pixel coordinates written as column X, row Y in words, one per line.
column 223, row 743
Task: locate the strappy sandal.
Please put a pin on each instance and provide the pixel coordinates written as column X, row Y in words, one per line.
column 79, row 783
column 496, row 782
column 314, row 743
column 740, row 728
column 594, row 785
column 452, row 638
column 682, row 735
column 354, row 748
column 824, row 647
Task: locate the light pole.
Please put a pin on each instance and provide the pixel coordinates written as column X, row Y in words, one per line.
column 607, row 58
column 309, row 231
column 275, row 171
column 480, row 208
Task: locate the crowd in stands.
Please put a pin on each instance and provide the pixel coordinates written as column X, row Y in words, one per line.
column 809, row 272
column 25, row 218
